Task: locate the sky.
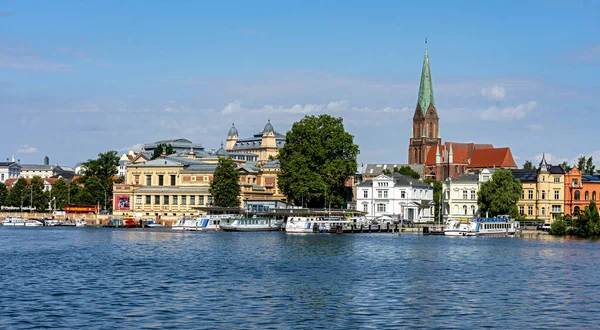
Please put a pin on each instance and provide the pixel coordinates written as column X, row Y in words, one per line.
column 82, row 77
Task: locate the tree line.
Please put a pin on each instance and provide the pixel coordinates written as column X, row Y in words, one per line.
column 584, row 164
column 93, row 187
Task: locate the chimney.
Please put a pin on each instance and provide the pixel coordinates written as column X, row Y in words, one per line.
column 46, row 160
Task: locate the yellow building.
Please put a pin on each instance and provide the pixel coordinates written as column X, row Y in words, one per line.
column 170, row 187
column 543, row 192
column 265, row 144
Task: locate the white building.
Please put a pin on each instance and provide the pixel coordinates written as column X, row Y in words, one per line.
column 9, row 170
column 396, row 196
column 460, row 194
column 28, row 171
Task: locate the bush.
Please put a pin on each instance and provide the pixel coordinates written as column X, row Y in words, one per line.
column 558, row 227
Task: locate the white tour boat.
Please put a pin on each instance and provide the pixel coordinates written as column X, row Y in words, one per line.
column 187, row 224
column 303, row 225
column 500, row 226
column 251, row 224
column 20, row 222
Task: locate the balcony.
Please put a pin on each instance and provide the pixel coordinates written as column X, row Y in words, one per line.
column 576, row 185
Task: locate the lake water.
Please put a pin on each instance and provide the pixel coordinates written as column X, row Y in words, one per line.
column 123, row 279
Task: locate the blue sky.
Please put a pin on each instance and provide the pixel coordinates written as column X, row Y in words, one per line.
column 81, row 77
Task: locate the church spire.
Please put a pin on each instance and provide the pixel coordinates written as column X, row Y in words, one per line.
column 426, row 87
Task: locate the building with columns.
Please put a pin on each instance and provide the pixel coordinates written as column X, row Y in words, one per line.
column 450, row 159
column 396, row 196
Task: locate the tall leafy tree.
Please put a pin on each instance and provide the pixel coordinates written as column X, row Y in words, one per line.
column 581, row 162
column 528, row 165
column 407, row 170
column 96, row 191
column 318, row 157
column 3, row 193
column 60, row 193
column 499, row 195
column 16, row 196
column 104, row 168
column 158, row 151
column 169, row 149
column 565, row 165
column 37, row 198
column 588, row 223
column 590, row 168
column 437, row 193
column 225, row 186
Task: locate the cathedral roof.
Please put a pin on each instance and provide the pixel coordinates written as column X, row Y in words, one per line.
column 426, row 86
column 494, row 157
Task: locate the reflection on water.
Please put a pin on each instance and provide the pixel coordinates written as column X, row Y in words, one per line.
column 119, row 278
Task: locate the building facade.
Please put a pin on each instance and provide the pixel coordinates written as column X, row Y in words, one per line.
column 450, row 159
column 167, row 188
column 580, row 190
column 543, row 195
column 264, row 144
column 396, row 196
column 460, row 194
column 9, row 170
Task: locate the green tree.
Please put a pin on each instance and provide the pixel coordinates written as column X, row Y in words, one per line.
column 386, row 172
column 169, row 149
column 316, row 160
column 558, row 227
column 565, row 165
column 38, row 198
column 82, row 196
column 16, row 196
column 60, row 193
column 407, row 170
column 499, row 195
column 437, row 192
column 3, row 193
column 581, row 162
column 96, row 190
column 590, row 168
column 588, row 223
column 225, row 186
column 158, row 151
column 103, row 168
column 528, row 165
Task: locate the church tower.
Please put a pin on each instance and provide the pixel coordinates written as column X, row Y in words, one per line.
column 425, row 130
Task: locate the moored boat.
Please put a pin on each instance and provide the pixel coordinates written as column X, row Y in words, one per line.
column 499, row 226
column 150, row 223
column 252, row 224
column 187, row 224
column 20, row 222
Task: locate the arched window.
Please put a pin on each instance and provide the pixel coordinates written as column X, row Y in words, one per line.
column 543, row 211
column 430, row 130
column 465, row 209
column 543, row 194
column 473, row 209
column 587, row 195
column 594, row 195
column 577, row 195
column 577, row 210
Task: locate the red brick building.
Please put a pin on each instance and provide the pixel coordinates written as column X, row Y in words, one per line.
column 450, row 159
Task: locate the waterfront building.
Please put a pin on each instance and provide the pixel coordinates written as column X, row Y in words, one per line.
column 543, row 195
column 450, row 159
column 580, row 190
column 170, row 187
column 264, row 144
column 396, row 196
column 460, row 194
column 9, row 170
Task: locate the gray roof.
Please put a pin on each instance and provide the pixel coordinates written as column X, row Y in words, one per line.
column 376, row 169
column 170, row 189
column 7, row 164
column 232, row 131
column 200, row 168
column 272, row 164
column 400, row 180
column 37, row 167
column 466, row 178
column 161, row 162
column 268, row 127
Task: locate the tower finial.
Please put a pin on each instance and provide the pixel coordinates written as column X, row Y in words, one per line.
column 425, row 40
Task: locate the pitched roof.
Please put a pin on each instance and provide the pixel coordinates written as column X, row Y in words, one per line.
column 461, row 152
column 376, row 169
column 492, row 157
column 524, row 175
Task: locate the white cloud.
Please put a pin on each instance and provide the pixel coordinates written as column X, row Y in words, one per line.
column 27, row 150
column 508, row 113
column 494, row 93
column 535, row 127
column 232, row 107
column 135, row 147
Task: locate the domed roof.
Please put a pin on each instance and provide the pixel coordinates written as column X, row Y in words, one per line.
column 268, row 127
column 222, row 151
column 232, row 131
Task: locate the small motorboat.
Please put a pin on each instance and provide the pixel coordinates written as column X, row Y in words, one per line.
column 150, row 223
